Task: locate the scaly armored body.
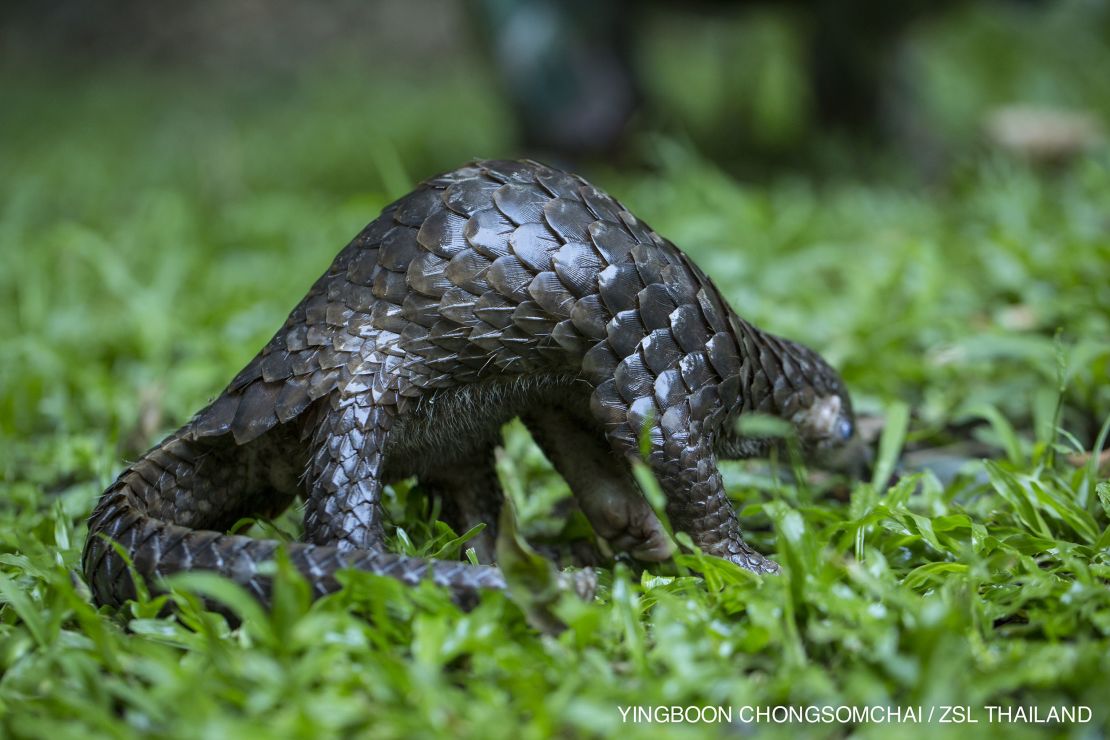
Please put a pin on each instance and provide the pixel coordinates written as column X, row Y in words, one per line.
column 499, row 290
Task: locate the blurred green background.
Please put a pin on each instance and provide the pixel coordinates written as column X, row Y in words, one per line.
column 172, row 179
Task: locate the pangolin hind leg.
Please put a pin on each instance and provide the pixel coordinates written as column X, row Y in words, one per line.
column 346, row 477
column 168, row 513
column 343, row 506
column 469, row 494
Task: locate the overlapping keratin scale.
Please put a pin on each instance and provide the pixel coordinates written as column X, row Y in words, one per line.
column 495, row 269
column 500, row 267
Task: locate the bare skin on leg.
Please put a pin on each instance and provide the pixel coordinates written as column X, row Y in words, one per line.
column 470, row 495
column 602, row 484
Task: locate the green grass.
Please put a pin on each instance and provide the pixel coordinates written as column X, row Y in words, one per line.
column 153, row 233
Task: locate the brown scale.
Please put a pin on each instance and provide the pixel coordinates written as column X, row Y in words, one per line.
column 498, row 290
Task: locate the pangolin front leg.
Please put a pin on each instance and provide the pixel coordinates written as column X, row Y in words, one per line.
column 601, row 482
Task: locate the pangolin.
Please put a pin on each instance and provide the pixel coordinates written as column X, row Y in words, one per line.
column 502, row 289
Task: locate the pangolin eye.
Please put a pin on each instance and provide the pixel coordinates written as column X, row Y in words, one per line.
column 844, row 429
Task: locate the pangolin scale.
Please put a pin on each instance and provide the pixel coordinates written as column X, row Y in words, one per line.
column 502, row 289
